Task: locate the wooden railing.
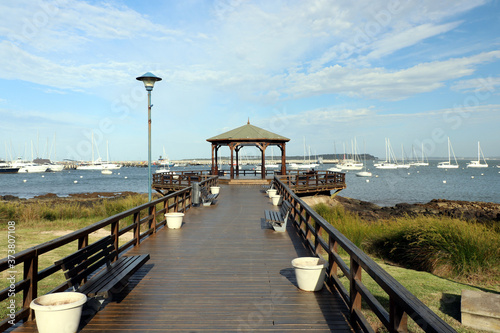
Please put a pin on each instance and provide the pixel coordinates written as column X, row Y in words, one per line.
column 316, row 181
column 146, row 220
column 324, row 240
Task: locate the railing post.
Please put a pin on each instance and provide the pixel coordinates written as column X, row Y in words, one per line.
column 115, row 228
column 137, row 229
column 31, row 273
column 397, row 317
column 152, row 217
column 333, row 247
column 355, row 296
column 83, row 242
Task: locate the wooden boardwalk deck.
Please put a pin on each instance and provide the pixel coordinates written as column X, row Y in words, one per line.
column 225, row 270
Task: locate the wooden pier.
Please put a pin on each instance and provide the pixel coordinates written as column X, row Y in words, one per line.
column 225, row 270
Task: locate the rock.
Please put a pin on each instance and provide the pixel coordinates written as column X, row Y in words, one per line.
column 483, row 212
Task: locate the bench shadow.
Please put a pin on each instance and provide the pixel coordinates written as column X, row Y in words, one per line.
column 93, row 305
column 450, row 305
column 265, row 225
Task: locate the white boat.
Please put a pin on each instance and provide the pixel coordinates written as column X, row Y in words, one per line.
column 94, row 165
column 447, row 164
column 364, row 173
column 51, row 166
column 351, row 163
column 418, row 162
column 402, row 165
column 98, row 164
column 478, row 164
column 55, row 167
column 383, row 165
column 334, row 169
column 7, row 167
column 106, row 172
column 390, row 162
column 30, row 167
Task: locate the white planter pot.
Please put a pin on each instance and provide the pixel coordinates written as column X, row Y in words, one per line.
column 310, row 272
column 58, row 312
column 174, row 220
column 215, row 189
column 276, row 199
column 271, row 192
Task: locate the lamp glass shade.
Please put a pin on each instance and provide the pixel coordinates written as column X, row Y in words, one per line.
column 149, row 80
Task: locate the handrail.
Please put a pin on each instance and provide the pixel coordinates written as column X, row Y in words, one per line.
column 144, row 224
column 311, row 226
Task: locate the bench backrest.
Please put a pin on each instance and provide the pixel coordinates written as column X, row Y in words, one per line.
column 204, row 191
column 79, row 265
column 285, row 209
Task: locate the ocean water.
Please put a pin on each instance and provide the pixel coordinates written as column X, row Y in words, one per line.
column 385, row 187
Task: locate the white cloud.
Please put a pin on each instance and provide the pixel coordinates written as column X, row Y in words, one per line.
column 481, row 84
column 62, row 25
column 380, row 83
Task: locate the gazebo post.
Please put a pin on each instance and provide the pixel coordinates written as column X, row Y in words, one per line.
column 231, row 147
column 283, row 159
column 238, row 160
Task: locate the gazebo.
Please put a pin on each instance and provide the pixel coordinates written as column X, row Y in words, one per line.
column 247, row 135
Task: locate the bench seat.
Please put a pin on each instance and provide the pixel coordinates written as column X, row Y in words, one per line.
column 208, row 198
column 278, row 219
column 92, row 271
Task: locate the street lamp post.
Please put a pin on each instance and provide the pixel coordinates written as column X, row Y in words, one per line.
column 149, row 80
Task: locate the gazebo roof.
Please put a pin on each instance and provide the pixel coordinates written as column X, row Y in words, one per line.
column 248, row 132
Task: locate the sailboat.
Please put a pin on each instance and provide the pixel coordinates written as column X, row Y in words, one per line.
column 447, row 164
column 305, row 165
column 389, row 153
column 272, row 164
column 351, row 163
column 364, row 173
column 402, row 165
column 478, row 164
column 417, row 162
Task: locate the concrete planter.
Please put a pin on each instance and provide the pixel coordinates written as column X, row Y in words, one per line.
column 174, row 220
column 310, row 272
column 58, row 312
column 276, row 199
column 271, row 192
column 215, row 189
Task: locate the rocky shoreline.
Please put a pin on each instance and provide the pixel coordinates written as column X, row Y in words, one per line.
column 484, row 212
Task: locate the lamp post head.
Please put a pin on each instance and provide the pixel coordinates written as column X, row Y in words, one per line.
column 149, row 80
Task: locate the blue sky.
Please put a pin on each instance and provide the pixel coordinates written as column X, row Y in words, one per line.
column 321, row 71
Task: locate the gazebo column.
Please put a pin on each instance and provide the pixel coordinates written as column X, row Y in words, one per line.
column 262, row 146
column 283, row 158
column 237, row 149
column 214, row 154
column 232, row 146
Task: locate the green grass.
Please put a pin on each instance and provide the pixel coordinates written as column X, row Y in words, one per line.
column 40, row 221
column 446, row 256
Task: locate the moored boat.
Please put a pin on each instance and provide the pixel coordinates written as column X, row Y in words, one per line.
column 478, row 164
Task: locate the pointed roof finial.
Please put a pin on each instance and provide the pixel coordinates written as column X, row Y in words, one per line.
column 248, row 123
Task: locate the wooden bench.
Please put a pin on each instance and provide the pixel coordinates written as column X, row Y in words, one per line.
column 207, row 198
column 278, row 219
column 267, row 187
column 96, row 261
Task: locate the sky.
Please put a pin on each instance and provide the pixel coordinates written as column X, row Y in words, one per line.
column 323, row 73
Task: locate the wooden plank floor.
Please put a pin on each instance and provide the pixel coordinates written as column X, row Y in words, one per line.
column 225, row 270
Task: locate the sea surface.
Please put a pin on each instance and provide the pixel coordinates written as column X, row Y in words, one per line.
column 386, row 187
